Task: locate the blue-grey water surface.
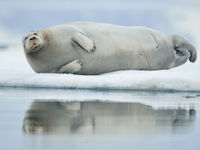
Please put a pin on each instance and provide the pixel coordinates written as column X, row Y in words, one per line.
column 75, row 119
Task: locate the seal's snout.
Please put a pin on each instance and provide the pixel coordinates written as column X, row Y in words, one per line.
column 32, row 38
column 33, row 42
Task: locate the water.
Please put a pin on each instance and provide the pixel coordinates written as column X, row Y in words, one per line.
column 82, row 119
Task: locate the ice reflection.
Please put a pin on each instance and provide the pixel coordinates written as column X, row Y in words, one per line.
column 101, row 117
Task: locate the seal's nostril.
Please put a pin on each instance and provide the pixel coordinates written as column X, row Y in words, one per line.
column 32, row 38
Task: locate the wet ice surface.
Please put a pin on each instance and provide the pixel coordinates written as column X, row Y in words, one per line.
column 74, row 119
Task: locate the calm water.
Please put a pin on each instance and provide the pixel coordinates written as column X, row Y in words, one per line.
column 71, row 119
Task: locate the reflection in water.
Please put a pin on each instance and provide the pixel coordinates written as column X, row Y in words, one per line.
column 95, row 117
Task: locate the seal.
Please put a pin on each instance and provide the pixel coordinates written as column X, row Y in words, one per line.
column 91, row 117
column 90, row 48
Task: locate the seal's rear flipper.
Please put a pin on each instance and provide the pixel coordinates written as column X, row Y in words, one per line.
column 180, row 51
column 193, row 55
column 181, row 56
column 180, row 43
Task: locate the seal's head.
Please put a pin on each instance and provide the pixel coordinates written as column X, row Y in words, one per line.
column 33, row 42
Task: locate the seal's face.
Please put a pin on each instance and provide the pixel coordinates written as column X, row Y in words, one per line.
column 33, row 42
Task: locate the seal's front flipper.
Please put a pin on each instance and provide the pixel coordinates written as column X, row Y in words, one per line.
column 71, row 67
column 84, row 42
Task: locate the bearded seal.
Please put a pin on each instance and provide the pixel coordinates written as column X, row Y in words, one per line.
column 90, row 48
column 47, row 117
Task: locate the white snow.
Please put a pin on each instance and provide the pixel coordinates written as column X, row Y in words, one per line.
column 16, row 72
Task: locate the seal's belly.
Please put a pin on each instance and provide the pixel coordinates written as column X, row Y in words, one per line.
column 119, row 52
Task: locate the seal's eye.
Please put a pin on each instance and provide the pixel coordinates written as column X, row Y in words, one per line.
column 25, row 37
column 35, row 33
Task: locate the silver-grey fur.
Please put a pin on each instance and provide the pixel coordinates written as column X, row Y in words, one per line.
column 95, row 48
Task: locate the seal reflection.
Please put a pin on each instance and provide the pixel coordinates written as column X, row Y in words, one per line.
column 97, row 117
